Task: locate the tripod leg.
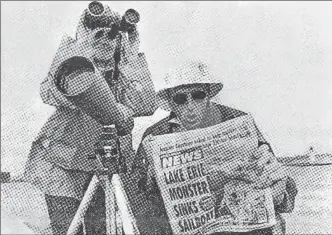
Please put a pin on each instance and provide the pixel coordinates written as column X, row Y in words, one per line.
column 110, row 203
column 82, row 209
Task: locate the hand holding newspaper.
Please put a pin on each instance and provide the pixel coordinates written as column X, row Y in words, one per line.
column 206, row 178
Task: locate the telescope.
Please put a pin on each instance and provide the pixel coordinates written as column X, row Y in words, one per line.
column 83, row 86
column 90, row 92
column 99, row 16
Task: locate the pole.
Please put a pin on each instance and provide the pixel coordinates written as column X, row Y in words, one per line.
column 107, row 156
column 84, row 205
column 110, row 204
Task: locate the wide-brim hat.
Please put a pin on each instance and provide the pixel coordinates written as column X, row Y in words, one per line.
column 191, row 72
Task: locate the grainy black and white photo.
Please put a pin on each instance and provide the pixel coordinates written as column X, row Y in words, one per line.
column 174, row 117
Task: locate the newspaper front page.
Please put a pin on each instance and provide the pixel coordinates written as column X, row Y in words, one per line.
column 199, row 201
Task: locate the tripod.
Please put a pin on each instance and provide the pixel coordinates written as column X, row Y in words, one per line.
column 107, row 157
column 112, row 167
column 110, row 202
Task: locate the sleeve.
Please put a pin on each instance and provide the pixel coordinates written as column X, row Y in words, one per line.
column 69, row 59
column 51, row 95
column 142, row 163
column 279, row 192
column 138, row 91
column 288, row 202
column 146, row 182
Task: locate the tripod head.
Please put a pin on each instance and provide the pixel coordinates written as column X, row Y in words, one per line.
column 108, row 152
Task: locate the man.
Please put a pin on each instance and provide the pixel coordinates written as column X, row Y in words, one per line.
column 188, row 98
column 58, row 164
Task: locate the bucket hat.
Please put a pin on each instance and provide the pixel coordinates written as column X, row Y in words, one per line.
column 190, row 72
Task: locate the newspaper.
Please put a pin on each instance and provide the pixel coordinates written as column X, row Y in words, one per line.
column 200, row 202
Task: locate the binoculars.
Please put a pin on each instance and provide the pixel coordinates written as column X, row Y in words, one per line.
column 96, row 16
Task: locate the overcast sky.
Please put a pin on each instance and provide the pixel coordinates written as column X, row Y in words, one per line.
column 274, row 59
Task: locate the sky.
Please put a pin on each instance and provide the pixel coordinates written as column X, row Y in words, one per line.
column 274, row 59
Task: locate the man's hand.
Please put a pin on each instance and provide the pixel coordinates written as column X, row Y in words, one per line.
column 269, row 169
column 272, row 173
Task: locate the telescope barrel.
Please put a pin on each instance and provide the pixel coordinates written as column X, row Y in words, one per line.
column 88, row 90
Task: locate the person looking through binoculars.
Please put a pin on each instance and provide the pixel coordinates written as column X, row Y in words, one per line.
column 97, row 79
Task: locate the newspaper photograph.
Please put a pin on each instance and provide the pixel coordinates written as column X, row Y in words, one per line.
column 200, row 202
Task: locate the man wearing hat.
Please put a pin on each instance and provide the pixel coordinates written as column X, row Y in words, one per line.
column 59, row 164
column 188, row 95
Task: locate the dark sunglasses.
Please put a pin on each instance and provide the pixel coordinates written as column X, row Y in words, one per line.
column 182, row 98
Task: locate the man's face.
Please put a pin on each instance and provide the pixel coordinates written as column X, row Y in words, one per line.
column 104, row 42
column 189, row 104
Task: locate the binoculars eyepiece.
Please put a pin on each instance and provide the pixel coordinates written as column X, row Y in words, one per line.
column 96, row 17
column 132, row 16
column 129, row 21
column 96, row 8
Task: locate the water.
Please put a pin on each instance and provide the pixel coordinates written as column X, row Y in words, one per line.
column 312, row 213
column 313, row 207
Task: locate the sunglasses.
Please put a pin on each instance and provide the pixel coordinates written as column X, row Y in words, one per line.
column 182, row 98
